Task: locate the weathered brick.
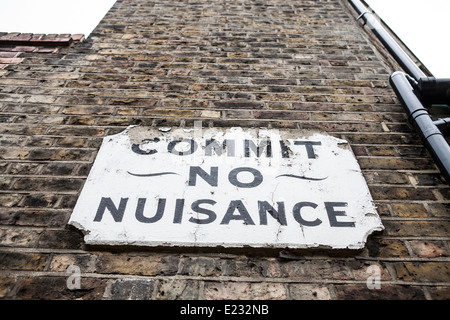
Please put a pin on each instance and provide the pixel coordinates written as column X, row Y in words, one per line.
column 244, row 267
column 400, row 193
column 61, row 262
column 17, row 238
column 23, row 261
column 131, row 290
column 386, row 292
column 6, row 285
column 282, row 115
column 244, row 291
column 13, row 153
column 416, row 228
column 79, row 131
column 10, row 60
column 423, row 272
column 177, row 290
column 10, row 200
column 439, row 293
column 429, row 249
column 210, row 114
column 386, row 248
column 395, row 163
column 169, row 112
column 325, row 269
column 138, row 265
column 439, row 209
column 60, row 239
column 25, row 168
column 59, row 154
column 239, row 105
column 55, row 288
column 309, row 292
column 87, row 110
column 409, row 210
column 48, row 184
column 33, row 217
column 386, row 177
column 201, row 266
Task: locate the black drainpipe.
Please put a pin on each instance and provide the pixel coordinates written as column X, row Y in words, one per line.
column 409, row 87
column 433, row 139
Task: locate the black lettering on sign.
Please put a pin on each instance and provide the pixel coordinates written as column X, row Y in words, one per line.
column 309, row 147
column 107, row 203
column 279, row 215
column 140, row 211
column 332, row 214
column 136, row 148
column 228, row 145
column 210, row 178
column 172, row 147
column 257, row 149
column 243, row 213
column 196, row 207
column 257, row 177
column 236, row 210
column 284, row 149
column 187, row 146
column 298, row 216
column 178, row 215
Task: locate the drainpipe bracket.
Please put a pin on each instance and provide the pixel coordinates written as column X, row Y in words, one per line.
column 362, row 15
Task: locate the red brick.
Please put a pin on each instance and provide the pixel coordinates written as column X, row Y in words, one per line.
column 10, row 60
column 25, row 48
column 429, row 249
column 77, row 37
column 7, row 54
column 9, row 36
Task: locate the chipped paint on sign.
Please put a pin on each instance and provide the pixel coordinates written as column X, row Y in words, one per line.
column 225, row 187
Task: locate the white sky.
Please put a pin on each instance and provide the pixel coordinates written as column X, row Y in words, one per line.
column 52, row 16
column 423, row 25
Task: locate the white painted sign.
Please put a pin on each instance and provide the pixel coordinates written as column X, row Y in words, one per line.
column 225, row 187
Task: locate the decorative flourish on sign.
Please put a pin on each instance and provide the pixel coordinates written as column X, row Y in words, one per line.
column 170, row 173
column 151, row 174
column 300, row 177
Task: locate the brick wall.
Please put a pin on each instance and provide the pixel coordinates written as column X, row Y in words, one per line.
column 276, row 64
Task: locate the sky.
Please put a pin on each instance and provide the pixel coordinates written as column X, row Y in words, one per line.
column 52, row 16
column 422, row 25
